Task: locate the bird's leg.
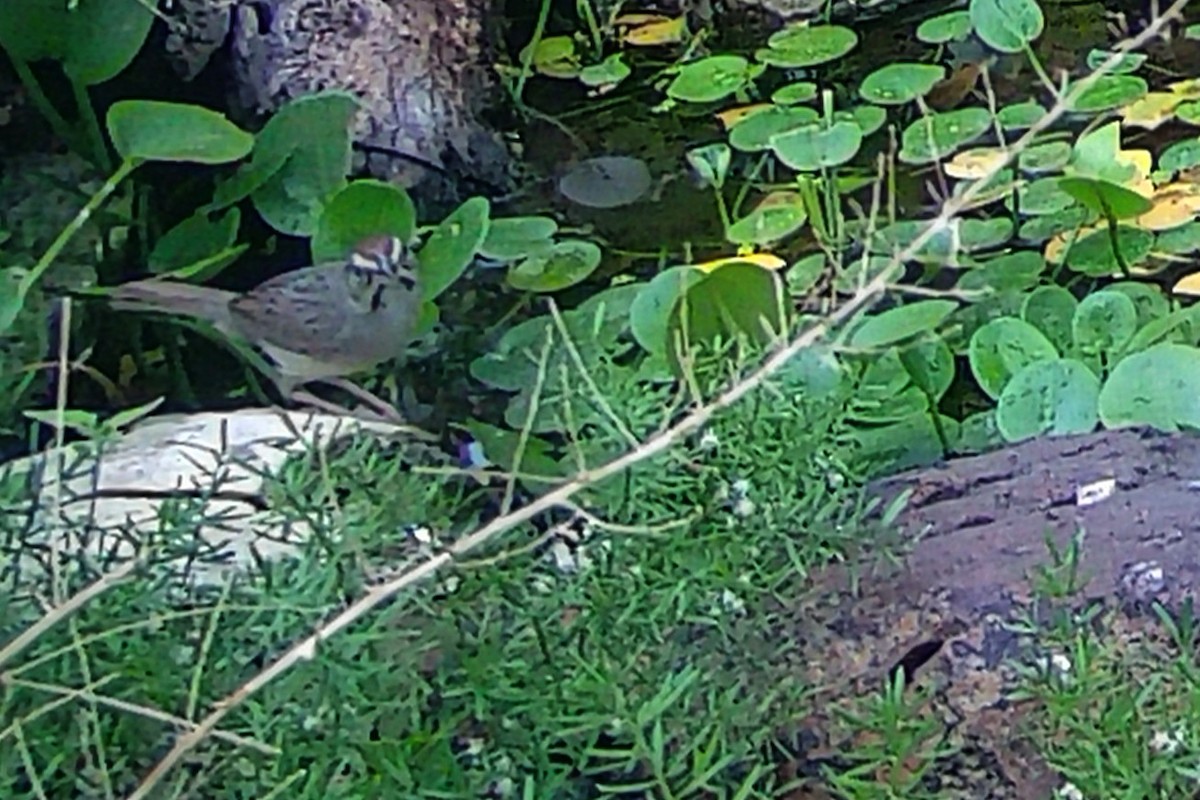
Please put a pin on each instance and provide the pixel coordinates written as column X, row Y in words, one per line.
column 311, row 400
column 377, row 404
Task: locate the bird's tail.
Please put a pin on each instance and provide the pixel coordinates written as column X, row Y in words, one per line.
column 173, row 297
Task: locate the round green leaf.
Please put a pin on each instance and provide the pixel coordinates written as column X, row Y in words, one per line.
column 984, row 234
column 1020, row 115
column 1044, row 196
column 896, row 406
column 606, row 182
column 1003, row 347
column 815, row 146
column 566, row 264
column 510, row 238
column 650, row 313
column 1106, row 197
column 1156, row 387
column 804, row 274
column 710, row 163
column 1110, row 91
column 608, row 72
column 1126, row 63
column 1051, row 309
column 754, row 133
column 1188, row 112
column 1180, row 155
column 1093, row 254
column 979, row 433
column 939, row 135
column 93, row 40
column 930, row 364
column 1011, row 272
column 1044, row 157
column 711, row 79
column 940, row 248
column 1041, row 228
column 868, row 118
column 897, row 84
column 1179, row 241
column 452, row 246
column 1056, row 396
column 197, row 238
column 799, row 46
column 1147, row 298
column 153, row 130
column 860, row 272
column 1096, row 154
column 898, row 324
column 781, row 214
column 363, row 208
column 945, row 28
column 1104, row 322
column 734, row 297
column 301, row 159
column 427, row 317
column 1007, row 25
column 1178, row 327
column 794, row 93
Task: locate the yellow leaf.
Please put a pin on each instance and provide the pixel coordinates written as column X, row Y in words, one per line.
column 1141, row 160
column 668, row 31
column 1174, row 204
column 976, row 163
column 767, row 261
column 732, row 116
column 1188, row 89
column 633, row 20
column 1056, row 248
column 1151, row 110
column 1188, row 285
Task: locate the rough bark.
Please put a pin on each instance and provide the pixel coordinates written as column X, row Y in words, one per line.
column 421, row 68
column 976, row 532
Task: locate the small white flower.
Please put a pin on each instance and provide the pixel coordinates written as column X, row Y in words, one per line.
column 564, row 560
column 744, row 507
column 583, row 561
column 421, row 533
column 1057, row 663
column 502, row 787
column 709, row 441
column 741, row 487
column 541, row 584
column 732, row 603
column 1069, row 791
column 1166, row 742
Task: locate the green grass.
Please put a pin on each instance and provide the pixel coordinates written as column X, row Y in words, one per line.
column 650, row 666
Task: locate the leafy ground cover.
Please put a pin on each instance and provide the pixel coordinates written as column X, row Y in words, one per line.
column 629, row 641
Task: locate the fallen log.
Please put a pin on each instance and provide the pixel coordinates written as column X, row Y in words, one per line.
column 953, row 612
